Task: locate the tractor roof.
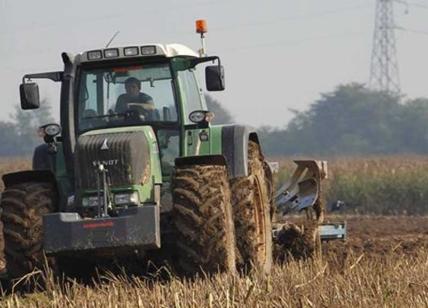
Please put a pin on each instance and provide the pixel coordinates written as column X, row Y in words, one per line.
column 134, row 51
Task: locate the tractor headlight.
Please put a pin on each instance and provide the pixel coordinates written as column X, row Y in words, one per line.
column 127, row 199
column 91, row 201
column 52, row 129
column 148, row 50
column 130, row 51
column 111, row 53
column 198, row 116
column 95, row 55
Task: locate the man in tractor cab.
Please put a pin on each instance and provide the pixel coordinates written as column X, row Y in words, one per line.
column 133, row 99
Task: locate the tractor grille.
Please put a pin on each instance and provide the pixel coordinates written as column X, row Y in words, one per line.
column 125, row 155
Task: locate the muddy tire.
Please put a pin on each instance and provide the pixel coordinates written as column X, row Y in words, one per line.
column 23, row 206
column 202, row 216
column 252, row 212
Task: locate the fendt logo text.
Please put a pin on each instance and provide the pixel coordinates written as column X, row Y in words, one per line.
column 109, row 162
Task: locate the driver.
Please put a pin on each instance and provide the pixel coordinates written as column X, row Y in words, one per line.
column 133, row 95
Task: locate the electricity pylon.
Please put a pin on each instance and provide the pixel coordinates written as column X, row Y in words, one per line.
column 384, row 74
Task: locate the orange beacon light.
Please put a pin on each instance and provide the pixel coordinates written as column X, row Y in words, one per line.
column 201, row 26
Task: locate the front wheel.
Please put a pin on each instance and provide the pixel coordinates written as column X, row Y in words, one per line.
column 202, row 216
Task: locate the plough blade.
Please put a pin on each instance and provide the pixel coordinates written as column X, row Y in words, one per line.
column 303, row 188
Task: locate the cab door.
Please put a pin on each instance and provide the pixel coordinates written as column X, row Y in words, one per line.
column 194, row 140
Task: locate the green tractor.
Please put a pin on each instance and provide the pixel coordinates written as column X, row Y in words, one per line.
column 133, row 175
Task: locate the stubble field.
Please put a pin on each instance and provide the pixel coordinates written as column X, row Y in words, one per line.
column 383, row 263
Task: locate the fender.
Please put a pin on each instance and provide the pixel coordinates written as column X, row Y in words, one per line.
column 11, row 179
column 201, row 160
column 234, row 139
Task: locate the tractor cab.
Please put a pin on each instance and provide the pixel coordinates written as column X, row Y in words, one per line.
column 145, row 85
column 139, row 85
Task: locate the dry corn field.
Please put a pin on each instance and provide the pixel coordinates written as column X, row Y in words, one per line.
column 384, row 263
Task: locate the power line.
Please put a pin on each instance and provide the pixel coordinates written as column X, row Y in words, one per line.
column 414, row 4
column 412, row 30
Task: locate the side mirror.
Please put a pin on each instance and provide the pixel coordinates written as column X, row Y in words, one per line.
column 214, row 78
column 29, row 93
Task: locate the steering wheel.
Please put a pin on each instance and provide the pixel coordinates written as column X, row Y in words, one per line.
column 136, row 111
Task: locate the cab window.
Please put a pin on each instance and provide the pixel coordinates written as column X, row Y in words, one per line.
column 125, row 95
column 191, row 93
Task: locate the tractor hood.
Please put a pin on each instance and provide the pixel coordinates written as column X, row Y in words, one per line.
column 125, row 155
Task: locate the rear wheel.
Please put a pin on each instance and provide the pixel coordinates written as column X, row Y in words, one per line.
column 23, row 206
column 202, row 216
column 252, row 210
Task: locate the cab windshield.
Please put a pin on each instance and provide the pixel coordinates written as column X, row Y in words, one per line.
column 125, row 95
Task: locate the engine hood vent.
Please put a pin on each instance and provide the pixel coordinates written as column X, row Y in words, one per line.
column 126, row 156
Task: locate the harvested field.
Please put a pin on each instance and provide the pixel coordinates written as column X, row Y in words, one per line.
column 383, row 263
column 380, row 236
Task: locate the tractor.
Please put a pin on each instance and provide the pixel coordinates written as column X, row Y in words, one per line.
column 156, row 176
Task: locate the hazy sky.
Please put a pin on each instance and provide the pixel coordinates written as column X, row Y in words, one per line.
column 277, row 54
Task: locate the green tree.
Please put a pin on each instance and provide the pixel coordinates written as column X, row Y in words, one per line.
column 413, row 128
column 354, row 119
column 350, row 120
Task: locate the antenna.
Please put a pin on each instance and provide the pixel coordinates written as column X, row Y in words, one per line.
column 112, row 38
column 384, row 74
